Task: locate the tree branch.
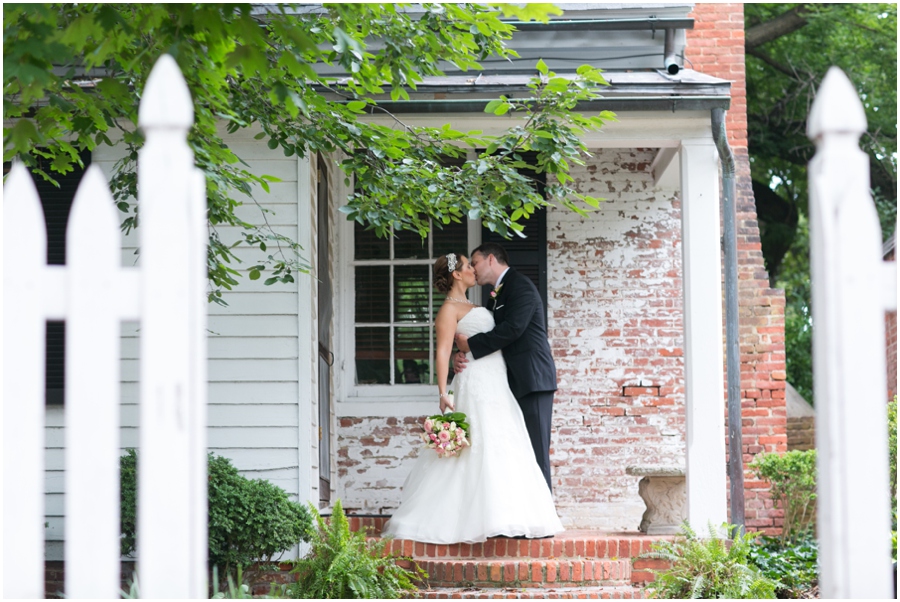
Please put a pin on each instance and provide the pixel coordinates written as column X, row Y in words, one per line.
column 773, row 63
column 773, row 29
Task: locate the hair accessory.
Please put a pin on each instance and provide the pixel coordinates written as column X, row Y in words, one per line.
column 451, row 262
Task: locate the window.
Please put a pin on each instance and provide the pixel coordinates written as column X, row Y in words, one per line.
column 388, row 304
column 395, row 303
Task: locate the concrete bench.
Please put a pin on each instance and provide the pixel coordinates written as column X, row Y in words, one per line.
column 663, row 489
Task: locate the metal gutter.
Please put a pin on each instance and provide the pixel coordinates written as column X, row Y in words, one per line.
column 732, row 342
column 650, row 23
column 614, row 103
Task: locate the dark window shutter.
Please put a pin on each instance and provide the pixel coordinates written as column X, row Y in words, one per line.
column 527, row 255
column 57, row 202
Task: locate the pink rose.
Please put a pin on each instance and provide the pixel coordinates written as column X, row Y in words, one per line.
column 445, row 436
column 428, row 425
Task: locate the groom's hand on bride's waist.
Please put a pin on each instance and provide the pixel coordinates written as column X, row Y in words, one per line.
column 462, row 342
column 459, row 362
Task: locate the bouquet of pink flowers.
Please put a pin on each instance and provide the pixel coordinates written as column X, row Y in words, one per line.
column 446, row 433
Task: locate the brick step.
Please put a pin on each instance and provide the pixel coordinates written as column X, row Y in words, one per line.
column 551, row 593
column 525, row 572
column 569, row 544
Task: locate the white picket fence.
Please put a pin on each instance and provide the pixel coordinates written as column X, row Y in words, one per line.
column 852, row 288
column 93, row 294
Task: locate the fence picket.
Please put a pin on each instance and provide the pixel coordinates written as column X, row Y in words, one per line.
column 92, row 392
column 93, row 293
column 849, row 351
column 24, row 327
column 172, row 560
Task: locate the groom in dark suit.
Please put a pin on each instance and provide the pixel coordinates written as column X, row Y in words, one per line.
column 520, row 331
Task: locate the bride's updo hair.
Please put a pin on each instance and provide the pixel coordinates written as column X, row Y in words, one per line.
column 443, row 276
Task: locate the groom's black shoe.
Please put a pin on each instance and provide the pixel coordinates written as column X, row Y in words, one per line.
column 525, row 537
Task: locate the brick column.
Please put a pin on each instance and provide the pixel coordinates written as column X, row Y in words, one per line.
column 716, row 47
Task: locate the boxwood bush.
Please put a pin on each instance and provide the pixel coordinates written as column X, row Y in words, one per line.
column 249, row 519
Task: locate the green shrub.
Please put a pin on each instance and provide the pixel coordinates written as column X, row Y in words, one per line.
column 249, row 519
column 793, row 479
column 892, row 456
column 708, row 568
column 793, row 566
column 128, row 501
column 343, row 564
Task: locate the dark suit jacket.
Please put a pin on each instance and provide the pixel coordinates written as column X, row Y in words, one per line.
column 521, row 333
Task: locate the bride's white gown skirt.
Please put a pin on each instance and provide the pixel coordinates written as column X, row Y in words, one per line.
column 494, row 487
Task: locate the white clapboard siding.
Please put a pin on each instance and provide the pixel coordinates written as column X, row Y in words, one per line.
column 247, row 393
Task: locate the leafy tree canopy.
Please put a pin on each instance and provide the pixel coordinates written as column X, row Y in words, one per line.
column 73, row 76
column 789, row 49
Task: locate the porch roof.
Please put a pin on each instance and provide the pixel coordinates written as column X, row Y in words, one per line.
column 632, row 90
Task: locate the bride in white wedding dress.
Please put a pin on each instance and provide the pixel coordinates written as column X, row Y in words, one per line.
column 494, row 487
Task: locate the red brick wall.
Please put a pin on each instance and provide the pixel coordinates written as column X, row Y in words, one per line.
column 716, row 47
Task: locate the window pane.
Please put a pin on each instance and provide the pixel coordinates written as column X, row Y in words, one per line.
column 412, row 355
column 409, row 245
column 372, row 294
column 373, row 365
column 367, row 245
column 451, row 238
column 411, row 284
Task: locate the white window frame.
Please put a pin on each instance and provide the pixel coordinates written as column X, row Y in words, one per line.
column 391, row 400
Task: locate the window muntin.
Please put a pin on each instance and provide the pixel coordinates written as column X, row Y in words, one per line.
column 395, row 303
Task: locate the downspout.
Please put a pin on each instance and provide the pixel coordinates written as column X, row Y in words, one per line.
column 732, row 343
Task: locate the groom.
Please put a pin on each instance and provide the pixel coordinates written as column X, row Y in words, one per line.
column 521, row 332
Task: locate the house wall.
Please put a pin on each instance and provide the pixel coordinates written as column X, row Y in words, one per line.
column 616, row 329
column 255, row 358
column 716, row 47
column 615, row 325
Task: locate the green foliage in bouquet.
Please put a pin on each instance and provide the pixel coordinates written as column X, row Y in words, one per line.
column 793, row 479
column 708, row 568
column 344, row 564
column 458, row 417
column 794, row 565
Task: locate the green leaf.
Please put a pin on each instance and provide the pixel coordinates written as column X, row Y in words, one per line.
column 492, row 105
column 542, row 67
column 254, row 274
column 356, row 106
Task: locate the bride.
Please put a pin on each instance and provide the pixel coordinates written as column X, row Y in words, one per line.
column 494, row 487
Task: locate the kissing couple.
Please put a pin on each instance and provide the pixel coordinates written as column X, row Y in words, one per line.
column 505, row 381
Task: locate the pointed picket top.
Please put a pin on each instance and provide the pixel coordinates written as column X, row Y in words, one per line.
column 24, row 226
column 93, row 230
column 166, row 102
column 837, row 108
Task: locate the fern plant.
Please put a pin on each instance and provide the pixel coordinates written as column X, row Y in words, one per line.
column 344, row 564
column 708, row 568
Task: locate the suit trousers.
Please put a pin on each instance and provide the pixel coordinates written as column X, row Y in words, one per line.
column 537, row 408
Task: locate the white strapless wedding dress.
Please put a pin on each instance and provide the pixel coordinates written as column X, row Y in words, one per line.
column 494, row 487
